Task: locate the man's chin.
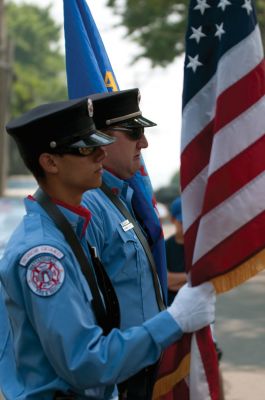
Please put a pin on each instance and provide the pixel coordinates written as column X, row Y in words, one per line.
column 96, row 184
column 134, row 170
column 136, row 166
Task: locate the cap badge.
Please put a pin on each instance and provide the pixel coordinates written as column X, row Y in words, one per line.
column 90, row 107
column 139, row 97
column 53, row 144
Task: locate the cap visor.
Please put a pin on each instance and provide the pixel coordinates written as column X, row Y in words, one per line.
column 137, row 122
column 95, row 140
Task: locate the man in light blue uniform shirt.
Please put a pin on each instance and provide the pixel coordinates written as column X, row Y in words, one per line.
column 119, row 249
column 122, row 254
column 58, row 350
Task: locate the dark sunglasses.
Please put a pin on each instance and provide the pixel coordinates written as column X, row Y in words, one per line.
column 133, row 133
column 78, row 151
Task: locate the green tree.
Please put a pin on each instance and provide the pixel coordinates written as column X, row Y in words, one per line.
column 175, row 180
column 38, row 62
column 159, row 26
column 167, row 194
column 38, row 68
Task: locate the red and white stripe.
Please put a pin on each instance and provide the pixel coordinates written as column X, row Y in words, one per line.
column 222, row 161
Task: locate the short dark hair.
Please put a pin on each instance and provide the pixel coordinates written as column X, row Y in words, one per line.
column 31, row 161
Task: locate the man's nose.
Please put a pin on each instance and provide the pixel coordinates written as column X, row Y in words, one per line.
column 101, row 153
column 142, row 143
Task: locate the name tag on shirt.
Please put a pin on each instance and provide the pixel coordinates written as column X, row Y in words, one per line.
column 126, row 225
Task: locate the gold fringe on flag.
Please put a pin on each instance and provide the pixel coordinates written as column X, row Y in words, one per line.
column 240, row 274
column 164, row 384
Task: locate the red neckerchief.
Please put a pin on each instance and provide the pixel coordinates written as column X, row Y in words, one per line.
column 79, row 210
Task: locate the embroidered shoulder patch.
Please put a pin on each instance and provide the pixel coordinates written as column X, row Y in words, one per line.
column 40, row 250
column 45, row 275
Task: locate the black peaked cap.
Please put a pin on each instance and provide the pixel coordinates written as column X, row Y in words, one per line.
column 118, row 108
column 54, row 125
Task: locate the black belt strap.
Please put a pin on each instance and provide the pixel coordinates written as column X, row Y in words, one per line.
column 121, row 207
column 103, row 317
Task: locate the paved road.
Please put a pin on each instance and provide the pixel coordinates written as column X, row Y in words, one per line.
column 240, row 330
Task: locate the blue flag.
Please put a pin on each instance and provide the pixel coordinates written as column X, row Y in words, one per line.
column 87, row 64
column 144, row 204
column 89, row 71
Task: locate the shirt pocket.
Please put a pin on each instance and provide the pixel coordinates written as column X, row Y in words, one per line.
column 122, row 255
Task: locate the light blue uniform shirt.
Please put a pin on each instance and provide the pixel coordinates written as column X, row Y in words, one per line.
column 57, row 344
column 9, row 380
column 121, row 253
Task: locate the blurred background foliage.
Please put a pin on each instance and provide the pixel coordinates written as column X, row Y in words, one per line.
column 158, row 26
column 38, row 70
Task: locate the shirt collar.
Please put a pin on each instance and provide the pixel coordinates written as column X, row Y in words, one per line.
column 117, row 185
column 78, row 216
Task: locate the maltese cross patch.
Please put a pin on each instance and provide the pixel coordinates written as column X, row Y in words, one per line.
column 45, row 275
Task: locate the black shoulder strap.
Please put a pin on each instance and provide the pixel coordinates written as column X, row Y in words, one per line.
column 107, row 289
column 104, row 319
column 121, row 207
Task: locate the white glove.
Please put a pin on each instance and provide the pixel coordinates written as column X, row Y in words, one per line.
column 194, row 307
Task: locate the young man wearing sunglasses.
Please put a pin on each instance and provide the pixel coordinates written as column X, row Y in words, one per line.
column 64, row 341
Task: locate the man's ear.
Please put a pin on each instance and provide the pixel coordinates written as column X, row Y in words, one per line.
column 48, row 162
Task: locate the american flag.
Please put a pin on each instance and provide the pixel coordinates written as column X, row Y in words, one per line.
column 222, row 172
column 223, row 142
column 222, row 159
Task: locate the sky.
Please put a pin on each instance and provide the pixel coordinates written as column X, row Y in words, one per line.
column 160, row 89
